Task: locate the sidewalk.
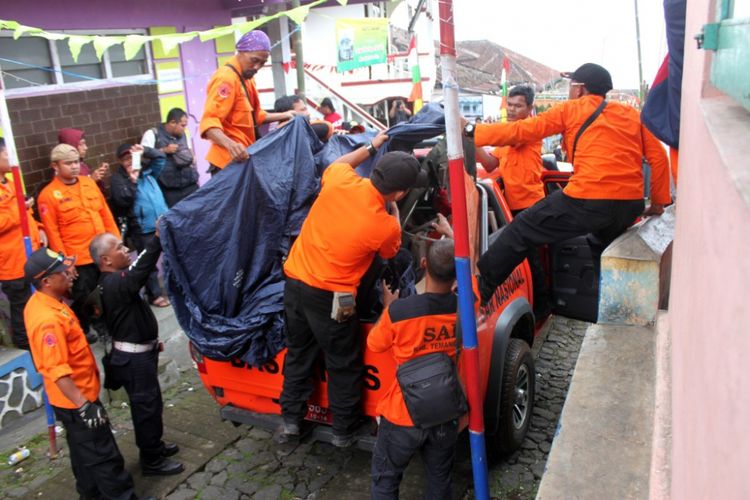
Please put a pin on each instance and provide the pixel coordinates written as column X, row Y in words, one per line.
column 189, row 412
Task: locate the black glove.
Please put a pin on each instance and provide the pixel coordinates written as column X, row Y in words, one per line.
column 93, row 415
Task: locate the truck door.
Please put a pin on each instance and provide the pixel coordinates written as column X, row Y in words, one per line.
column 574, row 285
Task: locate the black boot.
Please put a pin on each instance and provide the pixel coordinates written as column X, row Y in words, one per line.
column 162, row 467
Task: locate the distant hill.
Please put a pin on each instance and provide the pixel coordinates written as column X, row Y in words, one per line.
column 479, row 64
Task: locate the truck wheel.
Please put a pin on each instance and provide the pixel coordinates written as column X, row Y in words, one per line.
column 517, row 398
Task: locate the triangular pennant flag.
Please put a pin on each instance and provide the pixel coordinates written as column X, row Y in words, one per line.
column 342, row 2
column 102, row 43
column 21, row 29
column 134, row 43
column 76, row 43
column 8, row 25
column 298, row 14
column 170, row 41
column 214, row 33
column 243, row 28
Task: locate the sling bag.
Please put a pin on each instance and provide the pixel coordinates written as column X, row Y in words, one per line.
column 432, row 389
column 585, row 125
column 247, row 94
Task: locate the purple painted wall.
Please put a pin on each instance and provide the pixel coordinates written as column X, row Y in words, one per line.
column 198, row 58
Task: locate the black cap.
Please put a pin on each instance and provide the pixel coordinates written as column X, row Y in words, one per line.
column 45, row 262
column 123, row 149
column 398, row 171
column 595, row 78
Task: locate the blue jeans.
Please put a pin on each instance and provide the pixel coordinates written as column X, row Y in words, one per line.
column 397, row 444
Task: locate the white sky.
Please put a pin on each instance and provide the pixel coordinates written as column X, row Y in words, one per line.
column 564, row 34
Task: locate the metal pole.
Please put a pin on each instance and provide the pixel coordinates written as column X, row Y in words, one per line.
column 298, row 57
column 640, row 63
column 10, row 145
column 463, row 253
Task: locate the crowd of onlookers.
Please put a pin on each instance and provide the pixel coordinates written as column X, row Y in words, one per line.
column 75, row 206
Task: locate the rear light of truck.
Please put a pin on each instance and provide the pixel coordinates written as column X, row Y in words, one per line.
column 198, row 358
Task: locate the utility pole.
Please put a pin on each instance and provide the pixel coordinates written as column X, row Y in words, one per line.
column 299, row 60
column 640, row 63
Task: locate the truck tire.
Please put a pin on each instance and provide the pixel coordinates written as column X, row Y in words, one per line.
column 517, row 398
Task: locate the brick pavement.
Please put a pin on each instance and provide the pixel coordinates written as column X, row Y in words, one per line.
column 254, row 467
column 247, row 464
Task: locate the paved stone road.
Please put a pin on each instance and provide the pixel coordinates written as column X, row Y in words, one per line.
column 254, row 467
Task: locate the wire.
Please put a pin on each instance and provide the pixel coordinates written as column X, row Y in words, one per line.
column 140, row 81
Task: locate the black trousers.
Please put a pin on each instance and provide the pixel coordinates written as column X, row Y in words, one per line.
column 394, row 449
column 138, row 374
column 310, row 330
column 153, row 288
column 556, row 218
column 84, row 284
column 174, row 195
column 97, row 464
column 18, row 293
column 538, row 276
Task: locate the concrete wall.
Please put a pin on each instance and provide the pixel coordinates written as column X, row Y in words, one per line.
column 708, row 311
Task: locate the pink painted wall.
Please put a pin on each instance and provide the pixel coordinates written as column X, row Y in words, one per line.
column 709, row 313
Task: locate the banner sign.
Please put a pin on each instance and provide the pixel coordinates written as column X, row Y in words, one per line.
column 361, row 42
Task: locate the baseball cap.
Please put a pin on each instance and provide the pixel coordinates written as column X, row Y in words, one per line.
column 595, row 78
column 398, row 171
column 45, row 262
column 123, row 149
column 64, row 152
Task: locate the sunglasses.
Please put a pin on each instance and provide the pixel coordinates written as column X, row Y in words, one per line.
column 60, row 259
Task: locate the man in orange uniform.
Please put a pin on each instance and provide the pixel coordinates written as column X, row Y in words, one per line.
column 411, row 327
column 605, row 193
column 232, row 107
column 520, row 166
column 13, row 251
column 73, row 211
column 347, row 226
column 71, row 378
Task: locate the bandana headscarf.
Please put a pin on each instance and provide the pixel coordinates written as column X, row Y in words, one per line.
column 254, row 41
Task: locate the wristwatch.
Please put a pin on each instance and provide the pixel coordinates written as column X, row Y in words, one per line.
column 469, row 130
column 371, row 150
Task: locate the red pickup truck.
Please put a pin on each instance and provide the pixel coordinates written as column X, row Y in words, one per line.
column 506, row 329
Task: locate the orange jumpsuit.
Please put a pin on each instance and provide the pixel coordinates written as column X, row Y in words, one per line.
column 227, row 108
column 346, row 227
column 60, row 349
column 521, row 170
column 72, row 215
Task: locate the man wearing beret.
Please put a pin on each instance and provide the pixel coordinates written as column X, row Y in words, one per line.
column 605, row 193
column 351, row 221
column 73, row 211
column 232, row 109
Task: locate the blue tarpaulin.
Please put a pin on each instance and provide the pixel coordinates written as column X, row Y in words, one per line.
column 224, row 244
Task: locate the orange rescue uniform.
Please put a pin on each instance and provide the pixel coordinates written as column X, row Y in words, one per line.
column 346, row 226
column 60, row 349
column 12, row 250
column 521, row 170
column 608, row 158
column 412, row 327
column 227, row 108
column 72, row 215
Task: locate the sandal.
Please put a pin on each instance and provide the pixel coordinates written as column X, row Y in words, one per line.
column 160, row 302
